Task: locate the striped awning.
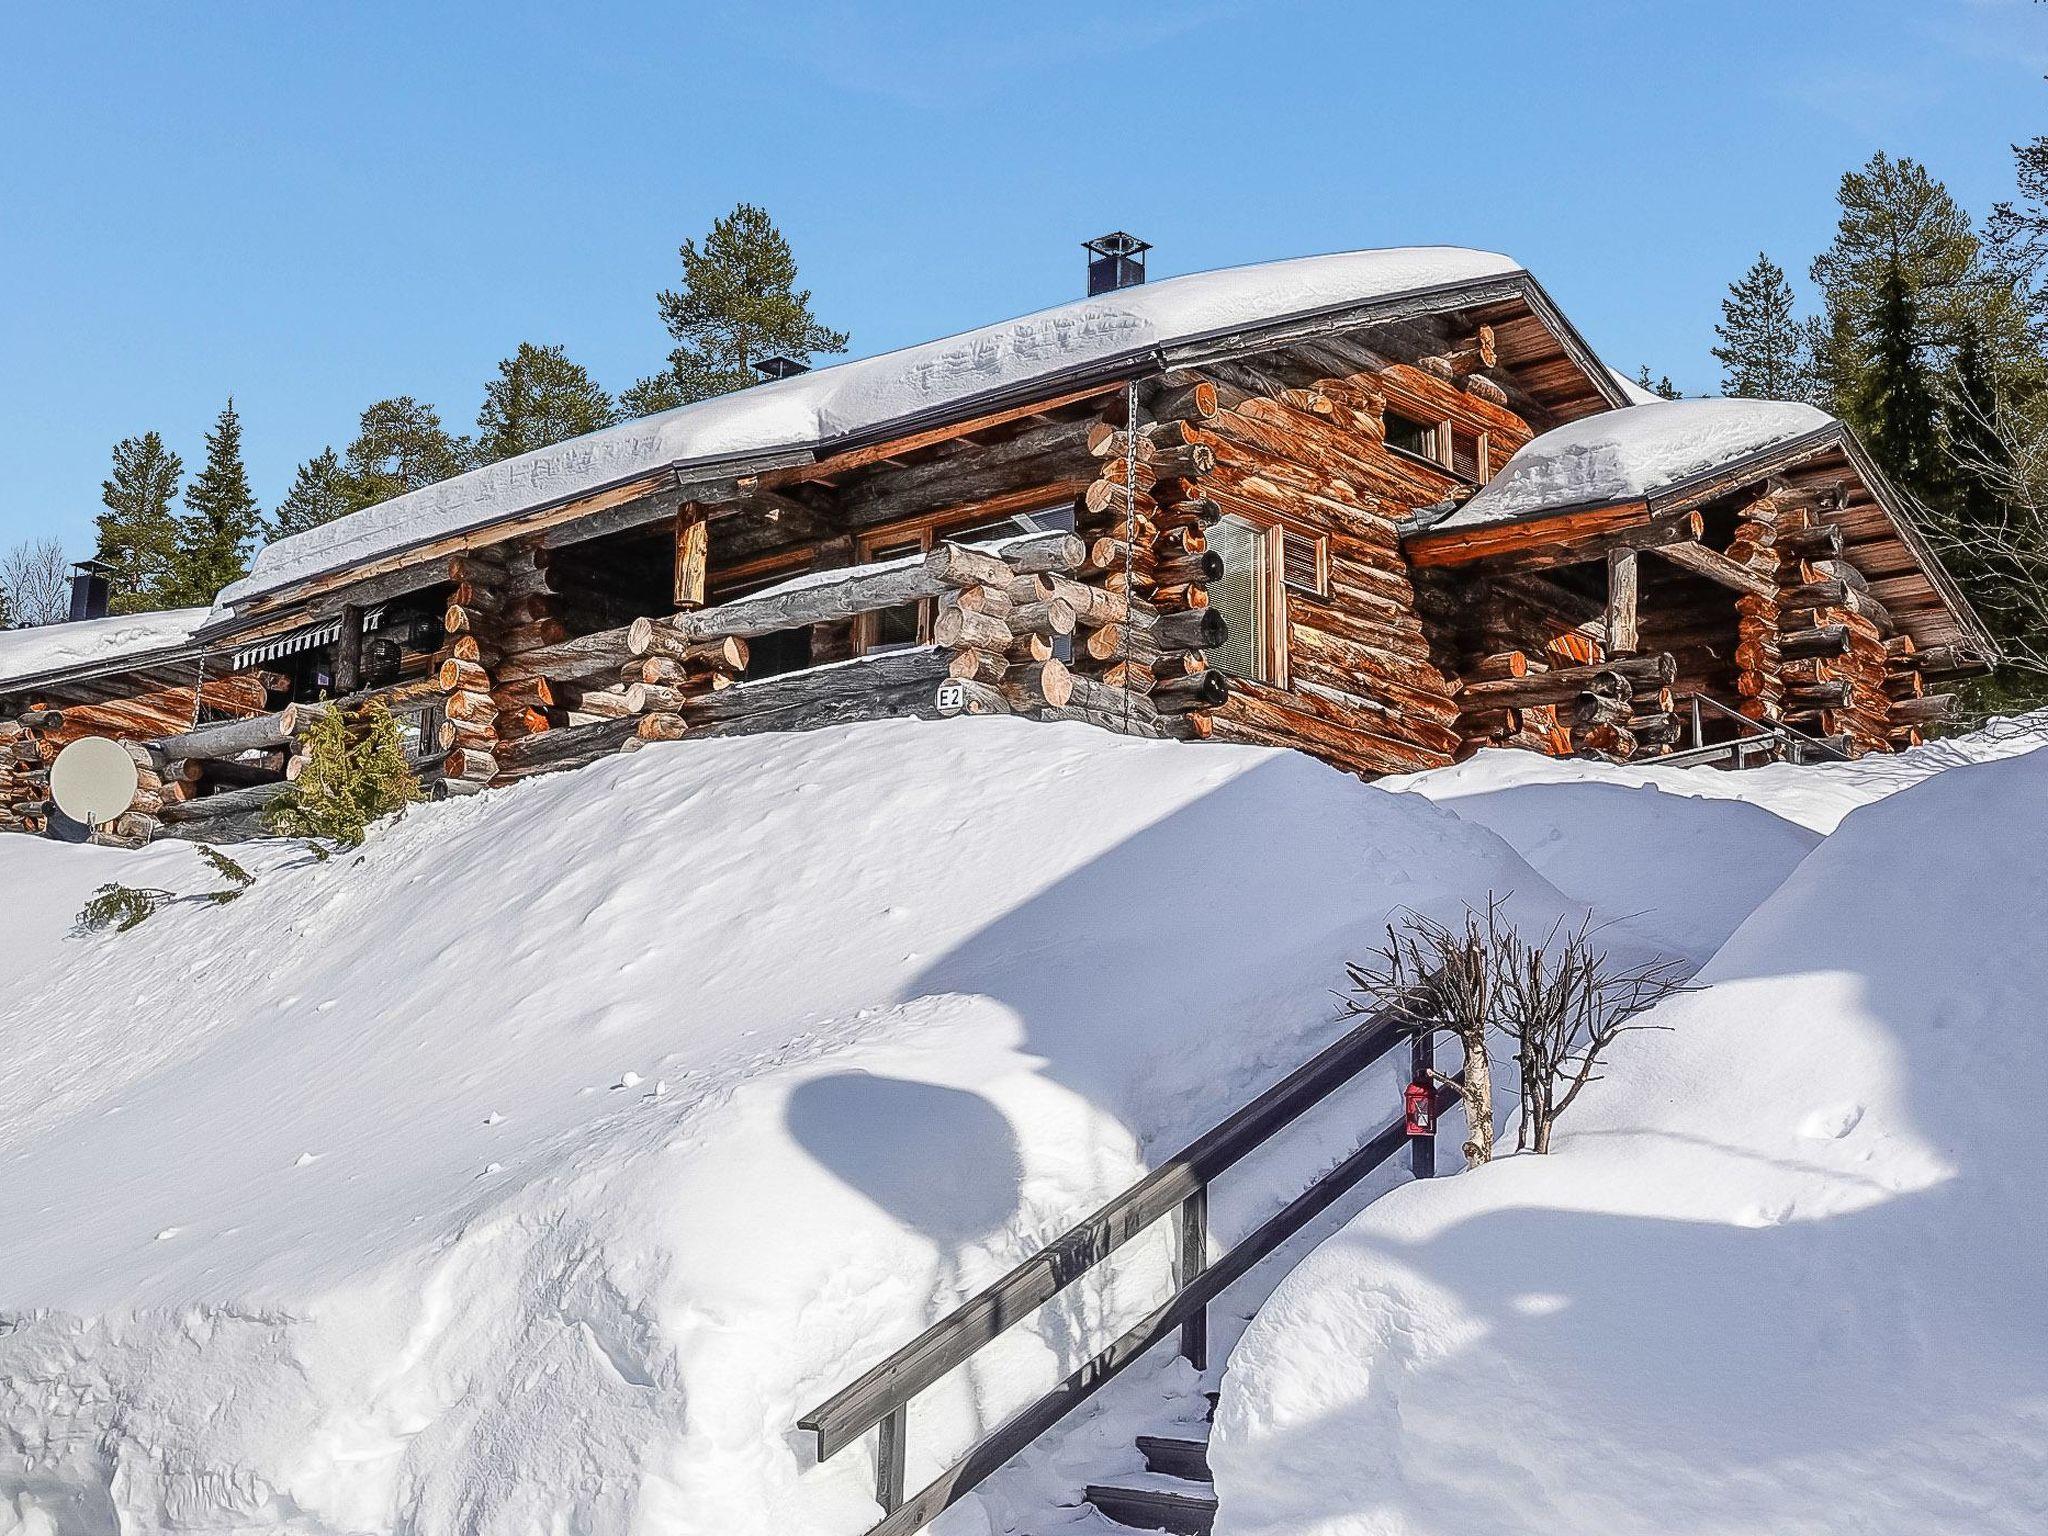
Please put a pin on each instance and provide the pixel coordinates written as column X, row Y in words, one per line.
column 312, row 637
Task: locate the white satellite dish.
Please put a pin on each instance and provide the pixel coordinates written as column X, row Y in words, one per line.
column 93, row 780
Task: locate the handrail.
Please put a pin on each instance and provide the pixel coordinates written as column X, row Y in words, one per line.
column 1798, row 743
column 882, row 1395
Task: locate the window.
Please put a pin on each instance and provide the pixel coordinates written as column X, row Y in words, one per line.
column 1417, row 437
column 894, row 629
column 1250, row 600
column 419, row 733
column 907, row 624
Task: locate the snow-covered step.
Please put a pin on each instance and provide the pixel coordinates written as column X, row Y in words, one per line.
column 1152, row 1501
column 1173, row 1456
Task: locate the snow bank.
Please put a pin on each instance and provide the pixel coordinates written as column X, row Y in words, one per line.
column 1783, row 1275
column 1632, row 452
column 1674, row 852
column 534, row 1170
column 829, row 402
column 50, row 647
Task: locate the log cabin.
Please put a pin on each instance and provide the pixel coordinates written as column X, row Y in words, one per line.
column 1385, row 507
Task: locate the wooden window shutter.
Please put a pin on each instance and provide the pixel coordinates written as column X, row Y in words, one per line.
column 1305, row 562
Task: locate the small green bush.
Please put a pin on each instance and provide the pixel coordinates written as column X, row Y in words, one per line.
column 347, row 783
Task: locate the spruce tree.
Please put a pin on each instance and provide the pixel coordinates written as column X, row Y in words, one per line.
column 138, row 535
column 7, row 619
column 223, row 520
column 1661, row 387
column 1977, row 454
column 1895, row 396
column 539, row 398
column 1763, row 354
column 317, row 496
column 400, row 446
column 738, row 304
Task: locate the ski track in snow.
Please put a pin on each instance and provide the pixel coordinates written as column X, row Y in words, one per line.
column 537, row 1167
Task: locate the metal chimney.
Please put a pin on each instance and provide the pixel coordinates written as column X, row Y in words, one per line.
column 780, row 367
column 1115, row 260
column 91, row 589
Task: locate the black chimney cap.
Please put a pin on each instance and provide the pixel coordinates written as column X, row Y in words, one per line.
column 91, row 589
column 1115, row 260
column 780, row 367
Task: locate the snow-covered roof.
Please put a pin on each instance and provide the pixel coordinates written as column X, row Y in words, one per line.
column 26, row 653
column 817, row 407
column 1636, row 451
column 1637, row 395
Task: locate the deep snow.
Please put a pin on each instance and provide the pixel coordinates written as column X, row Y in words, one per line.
column 534, row 1170
column 1783, row 1274
column 830, row 402
column 1632, row 452
column 538, row 1168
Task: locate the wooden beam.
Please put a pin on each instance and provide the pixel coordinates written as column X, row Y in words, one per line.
column 1702, row 561
column 1459, row 545
column 348, row 650
column 1587, row 548
column 693, row 555
column 1621, row 602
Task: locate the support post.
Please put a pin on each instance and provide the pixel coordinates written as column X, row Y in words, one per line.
column 1194, row 1258
column 1422, row 1149
column 889, row 1459
column 1621, row 602
column 693, row 556
column 348, row 651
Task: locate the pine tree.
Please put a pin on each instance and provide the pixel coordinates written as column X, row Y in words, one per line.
column 1895, row 396
column 539, row 398
column 317, row 496
column 737, row 305
column 138, row 535
column 1898, row 223
column 1764, row 354
column 400, row 446
column 223, row 521
column 7, row 619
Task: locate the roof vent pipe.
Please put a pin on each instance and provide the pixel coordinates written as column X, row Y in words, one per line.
column 91, row 589
column 1115, row 260
column 780, row 367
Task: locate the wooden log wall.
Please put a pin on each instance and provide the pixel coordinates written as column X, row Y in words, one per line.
column 1836, row 667
column 1137, row 606
column 1488, row 626
column 502, row 604
column 25, row 758
column 1367, row 687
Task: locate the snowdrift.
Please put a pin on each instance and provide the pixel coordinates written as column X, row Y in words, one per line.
column 1784, row 1274
column 535, row 1169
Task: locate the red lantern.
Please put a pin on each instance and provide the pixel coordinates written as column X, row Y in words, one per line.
column 1421, row 1106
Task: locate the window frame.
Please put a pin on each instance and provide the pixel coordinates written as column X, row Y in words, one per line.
column 1443, row 433
column 1273, row 597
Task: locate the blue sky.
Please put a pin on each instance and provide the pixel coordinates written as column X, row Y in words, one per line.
column 313, row 206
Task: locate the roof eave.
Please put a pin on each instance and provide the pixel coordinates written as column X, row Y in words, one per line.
column 191, row 650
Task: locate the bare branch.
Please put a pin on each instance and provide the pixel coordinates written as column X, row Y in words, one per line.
column 36, row 578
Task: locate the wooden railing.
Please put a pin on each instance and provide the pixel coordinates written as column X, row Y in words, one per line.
column 1759, row 735
column 881, row 1398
